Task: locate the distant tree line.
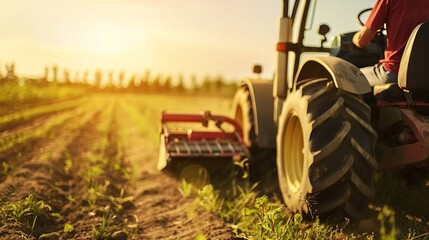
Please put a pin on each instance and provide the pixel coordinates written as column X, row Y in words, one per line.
column 10, row 76
column 121, row 82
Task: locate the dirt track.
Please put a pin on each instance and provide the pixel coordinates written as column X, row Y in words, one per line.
column 97, row 162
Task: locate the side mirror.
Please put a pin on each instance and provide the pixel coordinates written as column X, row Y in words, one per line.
column 323, row 30
column 257, row 69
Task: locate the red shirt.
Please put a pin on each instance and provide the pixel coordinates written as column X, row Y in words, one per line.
column 401, row 17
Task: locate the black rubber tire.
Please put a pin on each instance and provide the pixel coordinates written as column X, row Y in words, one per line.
column 243, row 114
column 261, row 160
column 325, row 151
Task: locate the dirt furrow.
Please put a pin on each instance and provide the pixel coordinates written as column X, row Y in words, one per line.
column 32, row 124
column 42, row 157
column 97, row 187
column 37, row 146
column 160, row 212
column 21, row 117
column 163, row 213
column 43, row 176
column 139, row 151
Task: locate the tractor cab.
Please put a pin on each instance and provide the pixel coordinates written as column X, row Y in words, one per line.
column 310, row 28
column 326, row 28
column 318, row 21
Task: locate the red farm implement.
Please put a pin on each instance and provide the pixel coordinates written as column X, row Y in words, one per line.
column 200, row 155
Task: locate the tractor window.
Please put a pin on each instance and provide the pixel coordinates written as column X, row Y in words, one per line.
column 340, row 15
column 298, row 19
column 311, row 11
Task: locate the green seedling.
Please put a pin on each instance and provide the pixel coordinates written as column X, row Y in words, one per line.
column 200, row 236
column 5, row 170
column 186, row 189
column 118, row 202
column 103, row 230
column 26, row 211
column 95, row 192
column 68, row 227
column 388, row 228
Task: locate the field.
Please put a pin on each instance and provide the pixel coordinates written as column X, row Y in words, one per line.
column 83, row 166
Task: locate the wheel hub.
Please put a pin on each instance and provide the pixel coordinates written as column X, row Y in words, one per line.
column 293, row 155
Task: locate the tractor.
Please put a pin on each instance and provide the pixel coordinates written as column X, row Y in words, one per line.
column 329, row 130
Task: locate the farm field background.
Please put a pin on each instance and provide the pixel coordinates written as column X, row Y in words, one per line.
column 81, row 165
column 84, row 166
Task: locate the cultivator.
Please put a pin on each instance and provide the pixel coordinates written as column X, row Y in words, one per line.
column 200, row 155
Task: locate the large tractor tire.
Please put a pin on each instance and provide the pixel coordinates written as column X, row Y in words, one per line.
column 325, row 151
column 243, row 114
column 261, row 160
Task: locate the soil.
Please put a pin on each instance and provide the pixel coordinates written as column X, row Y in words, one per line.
column 60, row 169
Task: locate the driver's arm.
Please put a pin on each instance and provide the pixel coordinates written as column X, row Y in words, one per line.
column 363, row 37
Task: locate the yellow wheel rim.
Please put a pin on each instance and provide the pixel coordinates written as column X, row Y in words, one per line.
column 292, row 151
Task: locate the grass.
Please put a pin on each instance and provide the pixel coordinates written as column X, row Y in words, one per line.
column 257, row 217
column 253, row 217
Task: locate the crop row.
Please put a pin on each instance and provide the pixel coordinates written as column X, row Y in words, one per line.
column 102, row 175
column 15, row 95
column 52, row 123
column 38, row 182
column 88, row 165
column 20, row 146
column 27, row 115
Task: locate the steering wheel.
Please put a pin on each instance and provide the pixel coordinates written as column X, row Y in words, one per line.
column 360, row 15
column 380, row 37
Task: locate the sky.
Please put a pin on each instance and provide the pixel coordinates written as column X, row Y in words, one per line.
column 168, row 37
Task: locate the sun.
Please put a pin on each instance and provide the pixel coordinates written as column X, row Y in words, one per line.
column 110, row 39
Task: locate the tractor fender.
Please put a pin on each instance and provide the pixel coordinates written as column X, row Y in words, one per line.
column 345, row 75
column 262, row 106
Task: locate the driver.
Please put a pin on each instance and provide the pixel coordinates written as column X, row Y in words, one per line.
column 401, row 17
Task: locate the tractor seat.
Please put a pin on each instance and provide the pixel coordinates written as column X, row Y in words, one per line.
column 414, row 69
column 413, row 73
